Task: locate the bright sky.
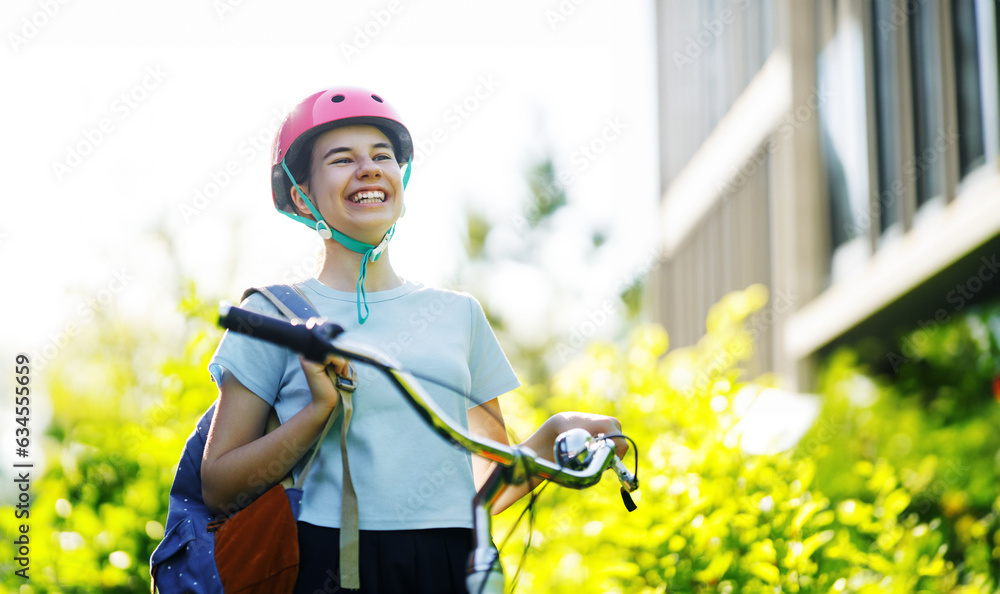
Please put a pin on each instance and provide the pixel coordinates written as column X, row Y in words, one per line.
column 123, row 117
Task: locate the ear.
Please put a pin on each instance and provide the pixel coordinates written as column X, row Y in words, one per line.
column 299, row 202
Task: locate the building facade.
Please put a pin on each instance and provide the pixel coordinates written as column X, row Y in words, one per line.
column 844, row 153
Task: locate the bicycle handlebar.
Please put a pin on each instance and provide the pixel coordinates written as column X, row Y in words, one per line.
column 316, row 339
column 580, row 460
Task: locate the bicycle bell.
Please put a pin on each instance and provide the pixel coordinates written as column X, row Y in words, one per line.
column 573, row 449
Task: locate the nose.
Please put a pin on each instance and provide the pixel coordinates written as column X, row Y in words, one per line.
column 368, row 169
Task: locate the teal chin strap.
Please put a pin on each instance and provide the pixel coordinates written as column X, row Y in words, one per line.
column 371, row 252
column 371, row 255
column 409, row 169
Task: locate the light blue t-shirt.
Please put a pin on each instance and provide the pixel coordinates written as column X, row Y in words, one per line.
column 405, row 475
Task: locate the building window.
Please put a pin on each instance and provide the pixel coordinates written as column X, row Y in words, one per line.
column 912, row 111
column 969, row 107
column 843, row 140
column 930, row 138
column 885, row 66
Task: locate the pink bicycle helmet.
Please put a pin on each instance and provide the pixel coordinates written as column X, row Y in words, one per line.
column 339, row 106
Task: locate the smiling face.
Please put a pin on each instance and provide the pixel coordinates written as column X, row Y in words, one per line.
column 355, row 182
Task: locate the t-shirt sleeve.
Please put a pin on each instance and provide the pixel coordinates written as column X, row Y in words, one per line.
column 257, row 364
column 489, row 368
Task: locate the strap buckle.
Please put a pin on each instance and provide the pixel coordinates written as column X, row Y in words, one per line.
column 348, row 383
column 377, row 250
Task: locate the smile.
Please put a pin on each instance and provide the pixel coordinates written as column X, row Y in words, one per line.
column 367, row 197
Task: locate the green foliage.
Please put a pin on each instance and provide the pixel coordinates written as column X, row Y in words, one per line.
column 949, row 369
column 882, row 495
column 123, row 405
column 548, row 195
column 713, row 519
column 477, row 230
column 517, row 254
column 928, row 424
column 632, row 297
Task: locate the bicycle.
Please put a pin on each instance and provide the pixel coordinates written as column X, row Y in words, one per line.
column 581, row 458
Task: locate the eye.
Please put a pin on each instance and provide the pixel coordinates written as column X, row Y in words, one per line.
column 383, row 157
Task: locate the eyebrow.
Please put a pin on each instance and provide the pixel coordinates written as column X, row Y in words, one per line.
column 347, row 149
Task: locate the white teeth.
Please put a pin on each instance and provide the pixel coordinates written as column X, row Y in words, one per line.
column 368, row 197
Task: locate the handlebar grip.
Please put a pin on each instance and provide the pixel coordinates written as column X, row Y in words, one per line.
column 311, row 340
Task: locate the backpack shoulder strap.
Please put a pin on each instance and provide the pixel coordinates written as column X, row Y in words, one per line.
column 292, row 303
column 289, row 300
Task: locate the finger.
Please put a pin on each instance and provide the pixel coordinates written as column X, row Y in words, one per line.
column 339, row 364
column 621, row 447
column 310, row 366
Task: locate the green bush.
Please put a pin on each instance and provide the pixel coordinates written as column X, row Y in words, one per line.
column 711, row 518
column 855, row 508
column 122, row 407
column 925, row 416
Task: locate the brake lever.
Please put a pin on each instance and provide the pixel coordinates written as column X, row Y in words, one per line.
column 629, row 483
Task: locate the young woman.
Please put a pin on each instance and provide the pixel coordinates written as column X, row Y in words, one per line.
column 338, row 163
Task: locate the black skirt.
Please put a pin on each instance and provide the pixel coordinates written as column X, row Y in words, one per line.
column 391, row 561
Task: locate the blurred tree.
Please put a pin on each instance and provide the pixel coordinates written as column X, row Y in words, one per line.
column 124, row 401
column 517, row 251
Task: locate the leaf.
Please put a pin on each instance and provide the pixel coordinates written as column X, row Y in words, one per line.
column 805, row 512
column 895, row 502
column 814, row 542
column 622, row 570
column 717, row 567
column 766, row 571
column 934, row 568
column 825, row 518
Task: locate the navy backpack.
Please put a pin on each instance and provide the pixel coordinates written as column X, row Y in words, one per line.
column 184, row 561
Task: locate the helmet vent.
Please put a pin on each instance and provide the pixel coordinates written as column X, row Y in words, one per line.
column 377, row 98
column 337, row 98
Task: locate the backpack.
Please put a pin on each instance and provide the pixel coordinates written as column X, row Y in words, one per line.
column 184, row 561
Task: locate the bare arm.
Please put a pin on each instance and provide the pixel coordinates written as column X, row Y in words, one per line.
column 486, row 420
column 241, row 462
